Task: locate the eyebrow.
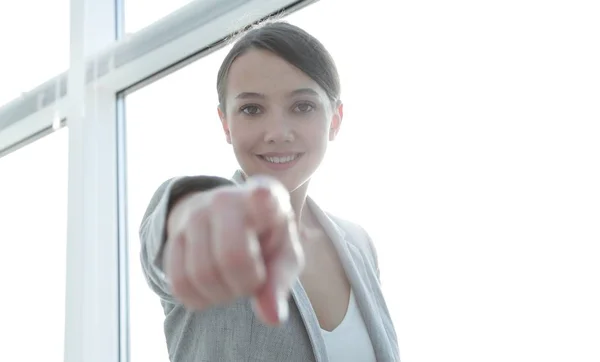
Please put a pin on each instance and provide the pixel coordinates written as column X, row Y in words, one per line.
column 305, row 91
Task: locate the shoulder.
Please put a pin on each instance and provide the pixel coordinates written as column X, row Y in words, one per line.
column 356, row 235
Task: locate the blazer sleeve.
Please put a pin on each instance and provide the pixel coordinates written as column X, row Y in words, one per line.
column 152, row 231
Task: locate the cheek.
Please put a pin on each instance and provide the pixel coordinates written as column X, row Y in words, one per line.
column 242, row 151
column 317, row 135
column 241, row 137
column 241, row 146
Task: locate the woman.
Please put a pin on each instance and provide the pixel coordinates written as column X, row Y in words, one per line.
column 226, row 255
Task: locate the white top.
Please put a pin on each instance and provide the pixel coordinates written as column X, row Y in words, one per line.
column 349, row 342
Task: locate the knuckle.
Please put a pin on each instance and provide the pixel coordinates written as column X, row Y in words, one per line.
column 221, row 199
column 236, row 259
column 198, row 218
column 205, row 274
column 197, row 215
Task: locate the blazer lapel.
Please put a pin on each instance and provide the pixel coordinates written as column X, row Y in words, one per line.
column 311, row 323
column 355, row 268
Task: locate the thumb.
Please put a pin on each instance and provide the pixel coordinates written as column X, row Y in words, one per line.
column 271, row 306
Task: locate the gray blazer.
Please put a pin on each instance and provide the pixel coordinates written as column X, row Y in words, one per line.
column 233, row 333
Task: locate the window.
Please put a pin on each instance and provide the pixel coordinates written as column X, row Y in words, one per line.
column 33, row 210
column 43, row 27
column 140, row 13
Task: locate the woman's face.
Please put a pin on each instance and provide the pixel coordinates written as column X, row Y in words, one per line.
column 278, row 119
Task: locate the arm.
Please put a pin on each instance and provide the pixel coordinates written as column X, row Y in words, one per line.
column 153, row 228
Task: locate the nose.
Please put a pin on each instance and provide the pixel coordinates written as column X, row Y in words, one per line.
column 279, row 132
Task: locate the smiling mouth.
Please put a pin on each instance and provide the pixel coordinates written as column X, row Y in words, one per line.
column 281, row 159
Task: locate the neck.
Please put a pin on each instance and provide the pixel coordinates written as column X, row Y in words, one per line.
column 298, row 200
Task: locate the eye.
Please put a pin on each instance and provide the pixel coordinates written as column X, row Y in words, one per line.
column 250, row 109
column 304, row 107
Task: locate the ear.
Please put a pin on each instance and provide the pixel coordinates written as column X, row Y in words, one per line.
column 336, row 120
column 224, row 124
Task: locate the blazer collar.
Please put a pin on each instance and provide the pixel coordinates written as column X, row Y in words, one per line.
column 238, row 177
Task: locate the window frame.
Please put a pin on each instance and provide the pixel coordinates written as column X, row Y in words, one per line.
column 105, row 66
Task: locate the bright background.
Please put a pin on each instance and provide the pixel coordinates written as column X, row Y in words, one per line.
column 469, row 151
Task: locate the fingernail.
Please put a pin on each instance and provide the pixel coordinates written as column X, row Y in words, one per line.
column 279, row 193
column 283, row 309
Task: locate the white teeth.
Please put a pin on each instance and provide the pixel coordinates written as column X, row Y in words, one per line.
column 281, row 159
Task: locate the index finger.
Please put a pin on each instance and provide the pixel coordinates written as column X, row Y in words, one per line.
column 268, row 203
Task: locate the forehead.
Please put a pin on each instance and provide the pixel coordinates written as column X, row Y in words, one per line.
column 264, row 72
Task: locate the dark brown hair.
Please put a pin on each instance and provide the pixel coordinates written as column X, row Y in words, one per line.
column 292, row 44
